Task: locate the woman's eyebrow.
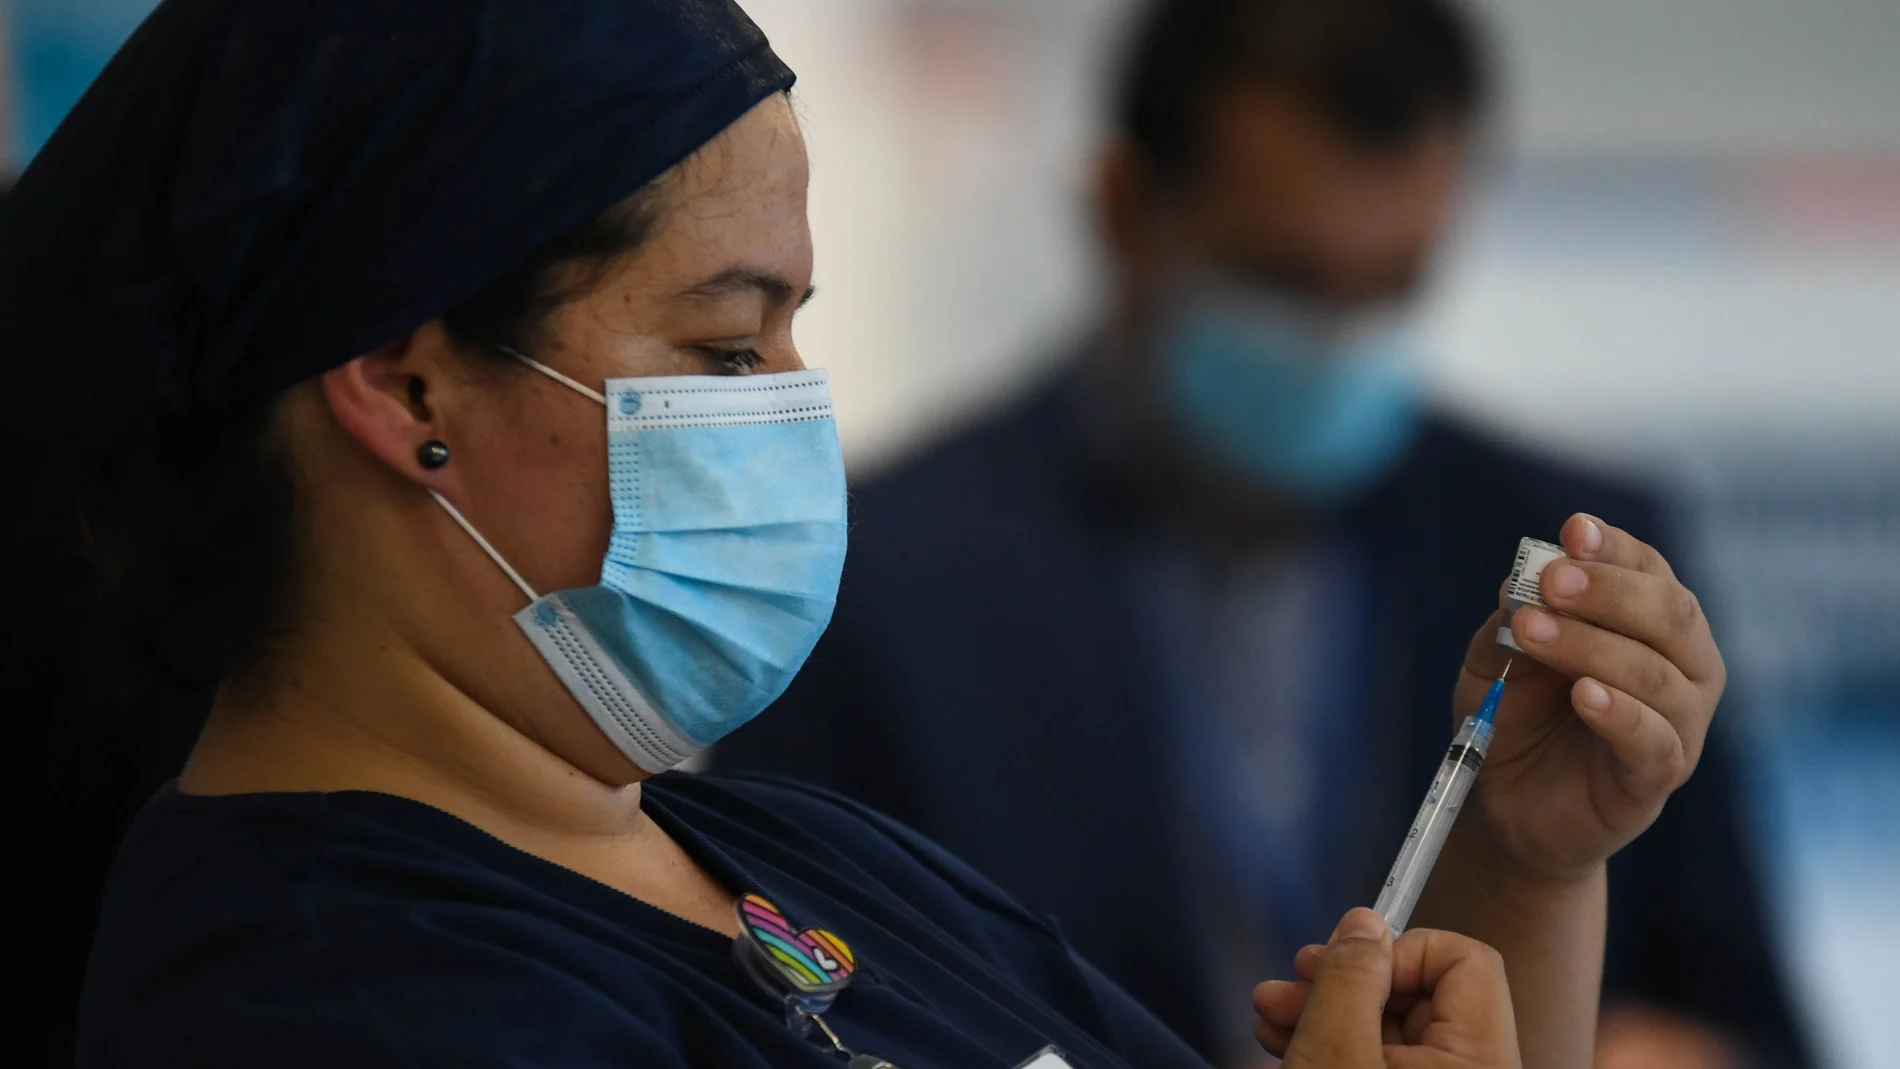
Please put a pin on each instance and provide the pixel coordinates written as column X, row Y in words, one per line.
column 776, row 289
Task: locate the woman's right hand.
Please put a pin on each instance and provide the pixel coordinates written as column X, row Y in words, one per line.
column 1431, row 1000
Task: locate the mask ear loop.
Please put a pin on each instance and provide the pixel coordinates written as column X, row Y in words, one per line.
column 577, row 387
column 457, row 516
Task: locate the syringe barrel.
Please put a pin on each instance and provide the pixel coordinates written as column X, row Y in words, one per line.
column 1432, row 826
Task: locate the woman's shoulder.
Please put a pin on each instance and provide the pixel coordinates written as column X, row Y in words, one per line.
column 350, row 927
column 223, row 857
column 273, row 872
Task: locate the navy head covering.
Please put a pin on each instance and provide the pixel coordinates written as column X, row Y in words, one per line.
column 255, row 191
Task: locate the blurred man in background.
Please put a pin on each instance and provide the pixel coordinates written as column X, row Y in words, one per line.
column 1231, row 549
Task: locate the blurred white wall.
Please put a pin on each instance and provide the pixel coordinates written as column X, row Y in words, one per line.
column 1724, row 77
column 1628, row 309
column 1694, row 231
column 948, row 141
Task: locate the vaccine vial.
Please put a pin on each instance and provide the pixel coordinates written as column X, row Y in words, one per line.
column 1532, row 555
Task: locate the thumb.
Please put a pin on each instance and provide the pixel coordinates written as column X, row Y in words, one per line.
column 1339, row 1028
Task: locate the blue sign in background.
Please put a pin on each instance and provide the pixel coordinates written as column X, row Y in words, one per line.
column 58, row 47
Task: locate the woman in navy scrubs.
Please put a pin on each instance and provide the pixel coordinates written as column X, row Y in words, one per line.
column 432, row 365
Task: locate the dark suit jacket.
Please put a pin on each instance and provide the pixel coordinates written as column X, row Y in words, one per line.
column 987, row 680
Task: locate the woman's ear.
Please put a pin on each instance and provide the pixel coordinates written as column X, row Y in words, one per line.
column 382, row 399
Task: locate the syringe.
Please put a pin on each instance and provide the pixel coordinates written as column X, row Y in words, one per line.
column 1432, row 826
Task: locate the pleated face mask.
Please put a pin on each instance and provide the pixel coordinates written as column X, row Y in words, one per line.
column 722, row 571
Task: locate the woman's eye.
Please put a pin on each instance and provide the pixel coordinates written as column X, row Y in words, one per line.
column 733, row 361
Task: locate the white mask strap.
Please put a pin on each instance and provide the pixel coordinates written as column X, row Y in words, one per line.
column 486, row 548
column 571, row 384
column 456, row 515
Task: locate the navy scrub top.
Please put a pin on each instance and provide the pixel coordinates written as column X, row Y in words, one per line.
column 365, row 930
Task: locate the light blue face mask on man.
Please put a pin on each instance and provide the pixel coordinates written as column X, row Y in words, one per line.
column 722, row 571
column 1305, row 404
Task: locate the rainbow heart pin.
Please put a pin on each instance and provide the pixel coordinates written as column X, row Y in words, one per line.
column 805, row 967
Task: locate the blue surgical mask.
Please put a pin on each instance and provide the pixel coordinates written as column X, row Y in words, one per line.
column 722, row 571
column 1308, row 405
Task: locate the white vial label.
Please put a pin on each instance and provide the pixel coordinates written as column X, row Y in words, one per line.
column 1521, row 590
column 1532, row 555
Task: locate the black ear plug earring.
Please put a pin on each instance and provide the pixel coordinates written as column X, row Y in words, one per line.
column 432, row 454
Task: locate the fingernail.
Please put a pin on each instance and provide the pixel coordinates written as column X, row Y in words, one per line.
column 1536, row 626
column 1265, row 991
column 1267, row 987
column 1361, row 923
column 1592, row 535
column 1592, row 696
column 1565, row 580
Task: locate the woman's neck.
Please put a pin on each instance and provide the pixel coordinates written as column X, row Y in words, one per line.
column 357, row 708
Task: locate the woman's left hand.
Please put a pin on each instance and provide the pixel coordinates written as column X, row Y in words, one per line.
column 1606, row 710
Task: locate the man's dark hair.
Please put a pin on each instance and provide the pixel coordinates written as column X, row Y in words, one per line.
column 1382, row 71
